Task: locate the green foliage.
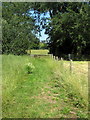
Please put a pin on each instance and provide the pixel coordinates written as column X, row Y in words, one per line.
column 17, row 27
column 65, row 110
column 42, row 45
column 48, row 92
column 68, row 26
column 68, row 35
column 29, row 68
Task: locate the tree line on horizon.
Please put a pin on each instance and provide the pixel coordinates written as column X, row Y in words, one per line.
column 68, row 27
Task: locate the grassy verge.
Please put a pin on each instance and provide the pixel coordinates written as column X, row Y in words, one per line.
column 49, row 91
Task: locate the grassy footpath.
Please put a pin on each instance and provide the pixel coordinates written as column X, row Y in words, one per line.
column 49, row 91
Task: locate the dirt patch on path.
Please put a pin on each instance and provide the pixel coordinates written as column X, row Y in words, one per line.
column 46, row 95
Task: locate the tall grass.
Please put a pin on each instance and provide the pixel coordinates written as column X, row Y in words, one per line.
column 0, row 86
column 79, row 79
column 19, row 86
column 75, row 83
column 49, row 91
column 13, row 72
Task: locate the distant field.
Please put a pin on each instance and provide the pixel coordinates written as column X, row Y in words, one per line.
column 50, row 91
column 39, row 52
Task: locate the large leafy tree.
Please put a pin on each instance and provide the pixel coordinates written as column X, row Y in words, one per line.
column 68, row 26
column 18, row 28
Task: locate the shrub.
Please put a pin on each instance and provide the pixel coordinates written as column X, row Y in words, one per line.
column 29, row 68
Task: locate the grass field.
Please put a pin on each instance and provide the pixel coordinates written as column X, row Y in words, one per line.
column 50, row 91
column 38, row 52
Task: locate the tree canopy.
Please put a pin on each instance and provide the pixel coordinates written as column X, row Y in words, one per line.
column 68, row 26
column 18, row 28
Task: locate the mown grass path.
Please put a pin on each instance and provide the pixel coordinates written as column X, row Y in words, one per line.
column 36, row 95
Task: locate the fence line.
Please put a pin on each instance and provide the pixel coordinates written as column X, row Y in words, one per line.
column 70, row 65
column 62, row 60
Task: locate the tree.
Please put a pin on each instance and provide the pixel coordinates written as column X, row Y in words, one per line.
column 18, row 28
column 68, row 27
column 43, row 45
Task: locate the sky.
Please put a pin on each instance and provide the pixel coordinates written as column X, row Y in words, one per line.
column 43, row 35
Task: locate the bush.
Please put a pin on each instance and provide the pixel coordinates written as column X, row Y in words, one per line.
column 29, row 68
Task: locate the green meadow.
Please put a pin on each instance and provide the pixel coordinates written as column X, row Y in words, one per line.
column 38, row 78
column 49, row 91
column 38, row 52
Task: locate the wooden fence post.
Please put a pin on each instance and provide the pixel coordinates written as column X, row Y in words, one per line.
column 70, row 65
column 61, row 58
column 52, row 56
column 62, row 67
column 56, row 57
column 69, row 56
